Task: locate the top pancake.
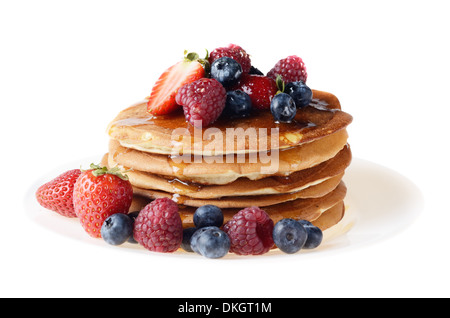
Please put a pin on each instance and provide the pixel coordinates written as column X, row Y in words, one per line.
column 135, row 128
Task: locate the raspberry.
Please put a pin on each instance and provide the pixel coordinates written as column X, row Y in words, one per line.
column 261, row 89
column 250, row 231
column 158, row 226
column 203, row 101
column 291, row 69
column 235, row 52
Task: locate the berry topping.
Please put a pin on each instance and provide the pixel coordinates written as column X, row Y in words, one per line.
column 238, row 105
column 235, row 52
column 289, row 235
column 291, row 69
column 226, row 71
column 261, row 89
column 210, row 242
column 208, row 215
column 315, row 235
column 300, row 92
column 117, row 229
column 162, row 98
column 158, row 226
column 283, row 108
column 99, row 193
column 255, row 71
column 250, row 232
column 57, row 194
column 203, row 101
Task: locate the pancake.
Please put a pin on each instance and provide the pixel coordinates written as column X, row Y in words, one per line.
column 306, row 209
column 314, row 191
column 283, row 163
column 330, row 217
column 290, row 170
column 135, row 128
column 271, row 185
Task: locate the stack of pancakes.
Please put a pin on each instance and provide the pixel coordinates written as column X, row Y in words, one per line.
column 291, row 170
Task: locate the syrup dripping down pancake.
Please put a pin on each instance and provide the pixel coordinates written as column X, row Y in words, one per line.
column 283, row 163
column 135, row 128
column 296, row 181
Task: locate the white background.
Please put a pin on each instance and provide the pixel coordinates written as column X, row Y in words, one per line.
column 68, row 67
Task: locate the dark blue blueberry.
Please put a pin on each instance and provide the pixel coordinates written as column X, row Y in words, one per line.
column 238, row 104
column 300, row 92
column 208, row 215
column 211, row 242
column 187, row 235
column 283, row 108
column 132, row 215
column 255, row 71
column 289, row 235
column 226, row 71
column 315, row 234
column 195, row 236
column 116, row 229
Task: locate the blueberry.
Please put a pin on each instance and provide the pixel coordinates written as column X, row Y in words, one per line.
column 132, row 215
column 238, row 104
column 255, row 71
column 283, row 108
column 187, row 235
column 195, row 236
column 315, row 234
column 116, row 229
column 300, row 92
column 226, row 71
column 208, row 215
column 210, row 242
column 289, row 235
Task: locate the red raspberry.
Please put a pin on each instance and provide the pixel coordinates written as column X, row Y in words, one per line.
column 158, row 226
column 235, row 52
column 203, row 101
column 261, row 89
column 291, row 69
column 250, row 232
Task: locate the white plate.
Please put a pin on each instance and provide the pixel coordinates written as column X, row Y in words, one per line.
column 380, row 203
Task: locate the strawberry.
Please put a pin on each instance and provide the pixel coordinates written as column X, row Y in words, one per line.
column 98, row 193
column 162, row 98
column 261, row 89
column 56, row 195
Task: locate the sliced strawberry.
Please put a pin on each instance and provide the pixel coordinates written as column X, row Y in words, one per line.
column 162, row 98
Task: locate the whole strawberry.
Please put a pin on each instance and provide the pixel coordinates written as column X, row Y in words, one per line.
column 98, row 193
column 261, row 89
column 234, row 51
column 203, row 101
column 250, row 232
column 291, row 69
column 158, row 226
column 57, row 194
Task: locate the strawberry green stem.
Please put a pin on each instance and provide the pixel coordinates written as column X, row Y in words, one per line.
column 98, row 170
column 194, row 57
